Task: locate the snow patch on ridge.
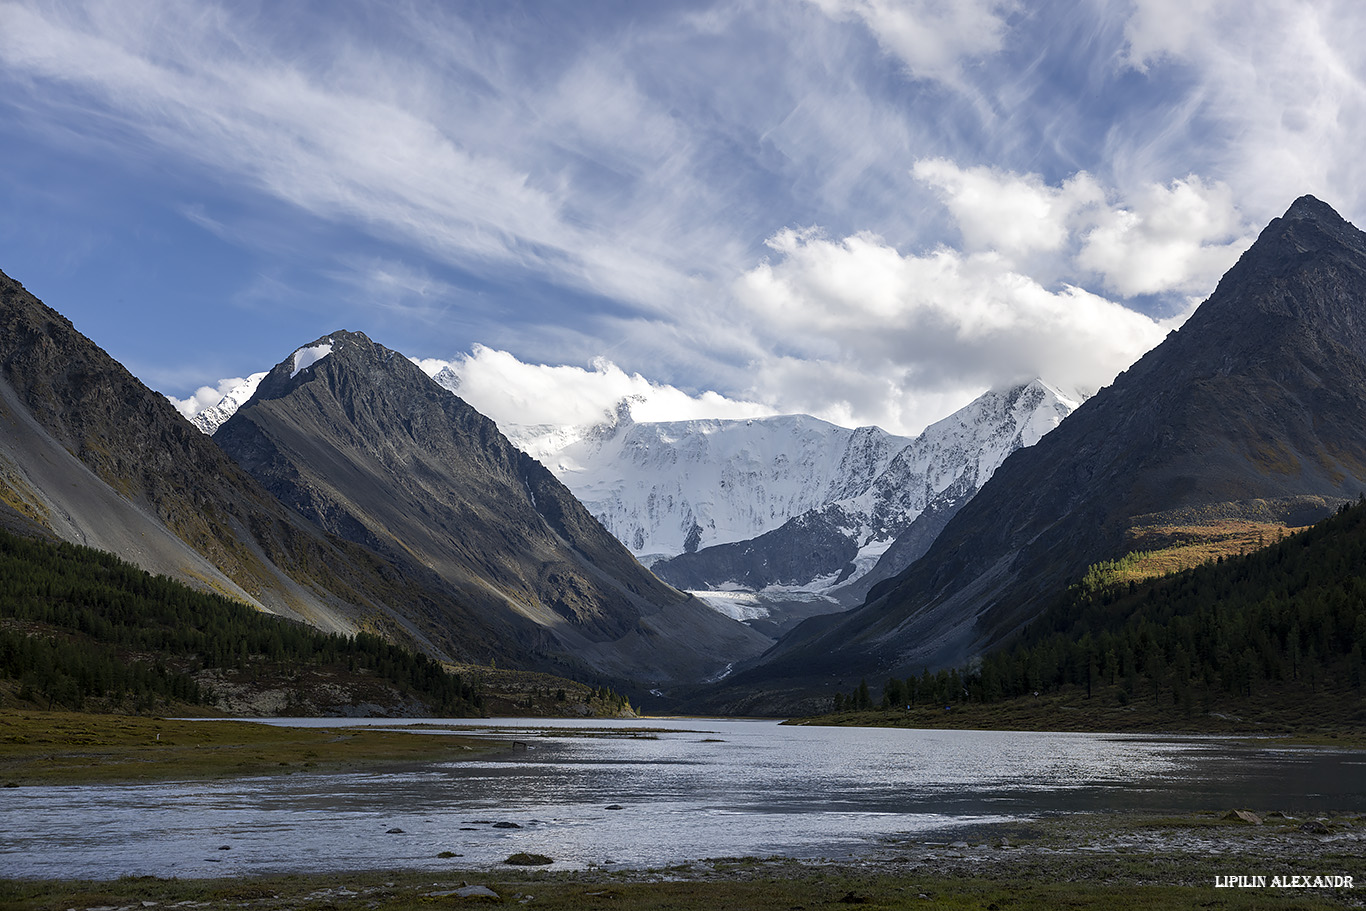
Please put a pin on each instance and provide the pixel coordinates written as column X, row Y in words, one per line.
column 307, row 357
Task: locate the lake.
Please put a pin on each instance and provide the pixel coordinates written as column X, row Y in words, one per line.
column 651, row 793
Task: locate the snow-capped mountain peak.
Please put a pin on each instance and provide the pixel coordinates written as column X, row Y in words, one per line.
column 210, row 419
column 666, row 488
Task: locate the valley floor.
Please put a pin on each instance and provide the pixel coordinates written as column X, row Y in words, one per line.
column 1082, row 862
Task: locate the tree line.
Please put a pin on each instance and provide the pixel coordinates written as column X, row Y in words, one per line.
column 1292, row 614
column 79, row 625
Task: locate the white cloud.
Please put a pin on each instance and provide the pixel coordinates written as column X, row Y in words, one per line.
column 877, row 329
column 625, row 177
column 1012, row 214
column 501, row 387
column 1160, row 29
column 932, row 38
column 856, row 331
column 360, row 135
column 1275, row 97
column 1180, row 238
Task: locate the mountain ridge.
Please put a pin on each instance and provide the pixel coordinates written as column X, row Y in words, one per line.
column 1260, row 398
column 358, row 439
column 92, row 456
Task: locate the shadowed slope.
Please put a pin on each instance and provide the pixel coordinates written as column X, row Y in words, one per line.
column 362, row 442
column 90, row 455
column 1255, row 408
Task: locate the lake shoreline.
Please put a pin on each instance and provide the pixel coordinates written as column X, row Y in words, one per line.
column 1065, row 854
column 1089, row 860
column 1072, row 713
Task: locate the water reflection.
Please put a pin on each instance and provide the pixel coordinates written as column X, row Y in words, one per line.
column 701, row 788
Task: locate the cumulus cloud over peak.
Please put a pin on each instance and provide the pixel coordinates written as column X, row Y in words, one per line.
column 1010, row 213
column 1180, row 237
column 1174, row 238
column 867, row 333
column 511, row 392
column 943, row 322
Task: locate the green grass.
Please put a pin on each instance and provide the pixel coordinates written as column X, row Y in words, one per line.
column 1282, row 713
column 779, row 887
column 71, row 748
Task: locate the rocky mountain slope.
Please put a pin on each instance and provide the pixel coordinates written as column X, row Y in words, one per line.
column 1255, row 408
column 91, row 456
column 358, row 439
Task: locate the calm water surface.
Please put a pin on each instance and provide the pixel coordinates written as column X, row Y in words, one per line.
column 699, row 788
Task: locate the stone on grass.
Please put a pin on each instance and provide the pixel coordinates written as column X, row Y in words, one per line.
column 523, row 859
column 476, row 892
column 466, row 892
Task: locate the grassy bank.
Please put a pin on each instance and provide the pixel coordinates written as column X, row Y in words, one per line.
column 1075, row 862
column 1278, row 713
column 72, row 748
column 792, row 889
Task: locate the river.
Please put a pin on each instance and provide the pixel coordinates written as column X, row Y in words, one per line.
column 652, row 793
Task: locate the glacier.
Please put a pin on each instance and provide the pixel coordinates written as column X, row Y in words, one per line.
column 790, row 513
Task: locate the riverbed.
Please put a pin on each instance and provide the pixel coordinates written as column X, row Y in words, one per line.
column 652, row 793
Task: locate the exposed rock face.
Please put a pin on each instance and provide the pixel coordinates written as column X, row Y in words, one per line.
column 1257, row 403
column 358, row 439
column 90, row 455
column 805, row 548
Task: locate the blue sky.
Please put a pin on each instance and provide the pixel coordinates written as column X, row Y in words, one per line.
column 863, row 209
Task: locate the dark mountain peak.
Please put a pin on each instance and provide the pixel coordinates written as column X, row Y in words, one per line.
column 1311, row 207
column 349, row 364
column 1254, row 411
column 1306, row 268
column 1309, row 226
column 357, row 438
column 94, row 457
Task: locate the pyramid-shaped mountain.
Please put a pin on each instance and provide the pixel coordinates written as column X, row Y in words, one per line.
column 1254, row 409
column 358, row 439
column 92, row 456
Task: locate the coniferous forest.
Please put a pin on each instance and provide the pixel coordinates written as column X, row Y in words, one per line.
column 1286, row 619
column 82, row 629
